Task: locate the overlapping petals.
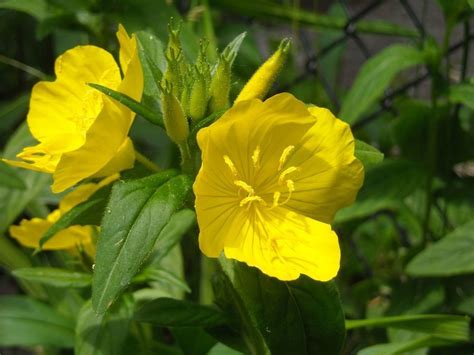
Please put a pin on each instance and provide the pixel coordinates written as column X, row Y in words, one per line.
column 273, row 175
column 81, row 132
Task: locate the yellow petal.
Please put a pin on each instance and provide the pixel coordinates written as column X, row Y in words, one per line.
column 82, row 193
column 29, row 233
column 284, row 245
column 329, row 175
column 124, row 159
column 103, row 141
column 68, row 106
column 132, row 84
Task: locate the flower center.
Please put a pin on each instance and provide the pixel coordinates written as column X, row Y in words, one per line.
column 247, row 192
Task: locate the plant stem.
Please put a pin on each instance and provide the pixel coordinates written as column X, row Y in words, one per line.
column 186, row 158
column 147, row 163
column 24, row 67
column 208, row 267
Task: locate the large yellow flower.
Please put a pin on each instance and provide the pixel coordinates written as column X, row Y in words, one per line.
column 81, row 132
column 74, row 238
column 273, row 175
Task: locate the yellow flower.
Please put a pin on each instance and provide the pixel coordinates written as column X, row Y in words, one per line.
column 81, row 132
column 30, row 232
column 273, row 175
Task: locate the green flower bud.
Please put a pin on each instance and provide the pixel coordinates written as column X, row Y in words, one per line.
column 174, row 118
column 199, row 96
column 173, row 72
column 220, row 86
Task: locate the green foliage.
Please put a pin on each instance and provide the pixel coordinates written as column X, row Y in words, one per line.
column 375, row 76
column 26, row 322
column 405, row 283
column 453, row 255
column 127, row 225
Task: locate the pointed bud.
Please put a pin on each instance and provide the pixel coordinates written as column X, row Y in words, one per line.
column 262, row 80
column 199, row 96
column 220, row 85
column 173, row 72
column 174, row 118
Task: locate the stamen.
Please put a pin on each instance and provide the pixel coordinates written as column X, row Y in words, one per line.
column 276, row 198
column 250, row 199
column 285, row 172
column 256, row 157
column 231, row 165
column 245, row 186
column 291, row 187
column 284, row 156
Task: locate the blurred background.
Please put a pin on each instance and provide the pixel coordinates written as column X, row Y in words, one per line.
column 399, row 71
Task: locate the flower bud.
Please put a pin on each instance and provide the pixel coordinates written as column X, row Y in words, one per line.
column 199, row 96
column 220, row 86
column 174, row 118
column 262, row 80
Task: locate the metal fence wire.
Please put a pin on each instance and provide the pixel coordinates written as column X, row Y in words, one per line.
column 350, row 33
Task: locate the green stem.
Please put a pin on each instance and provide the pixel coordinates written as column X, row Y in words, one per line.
column 209, row 31
column 24, row 67
column 147, row 163
column 186, row 158
column 208, row 267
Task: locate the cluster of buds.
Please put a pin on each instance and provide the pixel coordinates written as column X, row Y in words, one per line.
column 192, row 91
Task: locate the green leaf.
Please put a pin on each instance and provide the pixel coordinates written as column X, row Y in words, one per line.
column 462, row 94
column 27, row 322
column 375, row 76
column 169, row 312
column 382, row 189
column 35, row 8
column 221, row 349
column 54, row 276
column 292, row 14
column 452, row 255
column 153, row 62
column 103, row 334
column 367, row 154
column 298, row 317
column 13, row 202
column 403, row 347
column 232, row 49
column 174, row 230
column 133, row 105
column 164, row 277
column 9, row 178
column 137, row 212
column 442, row 326
column 89, row 212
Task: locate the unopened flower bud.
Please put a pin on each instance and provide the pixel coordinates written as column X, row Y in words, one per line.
column 199, row 96
column 174, row 118
column 220, row 86
column 262, row 80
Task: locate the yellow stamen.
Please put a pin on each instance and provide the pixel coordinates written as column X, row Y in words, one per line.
column 255, row 157
column 284, row 156
column 245, row 186
column 276, row 198
column 286, row 172
column 250, row 199
column 231, row 165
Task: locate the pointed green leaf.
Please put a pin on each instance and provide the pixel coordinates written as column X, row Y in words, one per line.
column 137, row 212
column 135, row 106
column 86, row 213
column 375, row 76
column 54, row 276
column 27, row 322
column 232, row 49
column 462, row 94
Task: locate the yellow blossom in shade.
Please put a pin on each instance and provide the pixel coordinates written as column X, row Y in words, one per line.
column 273, row 175
column 81, row 132
column 30, row 232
